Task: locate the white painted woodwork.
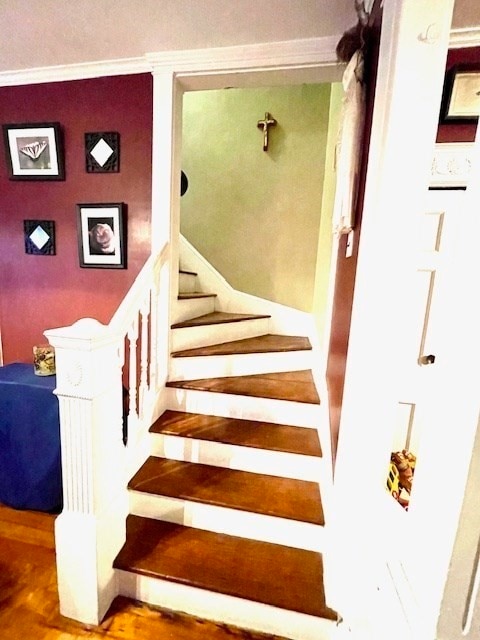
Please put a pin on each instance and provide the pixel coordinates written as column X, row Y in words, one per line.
column 184, row 309
column 187, row 282
column 451, row 165
column 234, row 522
column 399, row 169
column 231, row 610
column 205, row 335
column 194, row 367
column 229, row 456
column 297, row 414
column 91, row 528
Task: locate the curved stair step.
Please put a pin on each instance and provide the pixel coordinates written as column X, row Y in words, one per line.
column 235, row 431
column 217, row 317
column 263, row 572
column 295, row 386
column 287, row 498
column 268, row 343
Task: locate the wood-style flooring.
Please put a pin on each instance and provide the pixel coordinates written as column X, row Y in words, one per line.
column 29, row 603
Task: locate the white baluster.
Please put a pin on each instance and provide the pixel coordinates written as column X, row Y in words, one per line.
column 144, row 320
column 132, row 382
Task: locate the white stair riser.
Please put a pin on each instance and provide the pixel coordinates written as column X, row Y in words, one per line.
column 187, row 282
column 191, row 368
column 228, row 456
column 192, row 337
column 296, row 414
column 192, row 308
column 234, row 522
column 227, row 609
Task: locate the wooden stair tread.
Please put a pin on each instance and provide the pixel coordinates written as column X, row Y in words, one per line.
column 193, row 295
column 235, row 431
column 217, row 317
column 296, row 386
column 268, row 343
column 253, row 492
column 272, row 574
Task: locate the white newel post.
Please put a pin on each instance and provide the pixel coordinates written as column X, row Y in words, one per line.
column 91, row 528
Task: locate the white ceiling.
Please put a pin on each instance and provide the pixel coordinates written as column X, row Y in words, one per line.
column 42, row 33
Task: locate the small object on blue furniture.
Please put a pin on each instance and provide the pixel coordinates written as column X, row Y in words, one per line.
column 30, row 462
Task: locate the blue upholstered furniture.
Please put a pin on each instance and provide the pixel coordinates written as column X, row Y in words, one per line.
column 30, row 465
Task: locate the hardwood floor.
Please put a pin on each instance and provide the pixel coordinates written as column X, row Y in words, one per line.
column 29, row 603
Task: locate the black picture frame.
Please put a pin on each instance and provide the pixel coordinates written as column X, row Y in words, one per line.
column 102, row 235
column 102, row 152
column 34, row 151
column 461, row 94
column 39, row 236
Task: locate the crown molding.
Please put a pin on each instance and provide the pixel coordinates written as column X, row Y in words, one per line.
column 80, row 71
column 451, row 164
column 469, row 37
column 291, row 54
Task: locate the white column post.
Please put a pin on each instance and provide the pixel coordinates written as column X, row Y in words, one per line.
column 91, row 528
column 166, row 167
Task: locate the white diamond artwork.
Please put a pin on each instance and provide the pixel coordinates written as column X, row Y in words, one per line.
column 39, row 237
column 101, row 152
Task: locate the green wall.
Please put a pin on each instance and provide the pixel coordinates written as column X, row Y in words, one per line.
column 255, row 215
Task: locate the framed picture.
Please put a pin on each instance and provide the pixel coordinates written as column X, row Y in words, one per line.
column 34, row 151
column 102, row 152
column 461, row 96
column 101, row 230
column 39, row 237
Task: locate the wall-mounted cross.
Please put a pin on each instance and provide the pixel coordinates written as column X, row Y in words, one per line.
column 268, row 121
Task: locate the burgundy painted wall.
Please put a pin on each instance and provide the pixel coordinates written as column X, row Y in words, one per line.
column 453, row 132
column 43, row 292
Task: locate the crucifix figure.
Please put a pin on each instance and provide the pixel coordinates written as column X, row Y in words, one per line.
column 268, row 121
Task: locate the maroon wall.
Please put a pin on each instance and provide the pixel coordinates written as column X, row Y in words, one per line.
column 452, row 131
column 42, row 292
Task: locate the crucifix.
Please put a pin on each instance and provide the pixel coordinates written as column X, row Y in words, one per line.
column 268, row 121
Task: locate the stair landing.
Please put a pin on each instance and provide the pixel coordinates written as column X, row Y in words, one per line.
column 296, row 386
column 272, row 574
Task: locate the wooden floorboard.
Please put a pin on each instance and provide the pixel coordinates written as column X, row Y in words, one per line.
column 217, row 317
column 245, row 433
column 272, row 574
column 29, row 608
column 295, row 386
column 254, row 492
column 268, row 343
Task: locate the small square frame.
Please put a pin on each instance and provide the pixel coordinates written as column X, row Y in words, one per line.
column 48, row 228
column 461, row 94
column 101, row 230
column 34, row 151
column 102, row 152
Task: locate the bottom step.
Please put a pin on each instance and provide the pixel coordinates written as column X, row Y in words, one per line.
column 277, row 575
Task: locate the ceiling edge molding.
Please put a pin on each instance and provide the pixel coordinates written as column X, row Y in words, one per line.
column 80, row 71
column 451, row 164
column 286, row 54
column 469, row 37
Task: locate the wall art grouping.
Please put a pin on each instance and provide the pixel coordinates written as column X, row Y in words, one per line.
column 34, row 151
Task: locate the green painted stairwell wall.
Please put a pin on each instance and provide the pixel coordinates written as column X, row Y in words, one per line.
column 256, row 216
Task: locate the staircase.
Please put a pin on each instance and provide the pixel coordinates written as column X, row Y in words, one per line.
column 226, row 516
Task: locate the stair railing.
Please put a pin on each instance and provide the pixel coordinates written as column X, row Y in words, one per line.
column 108, row 382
